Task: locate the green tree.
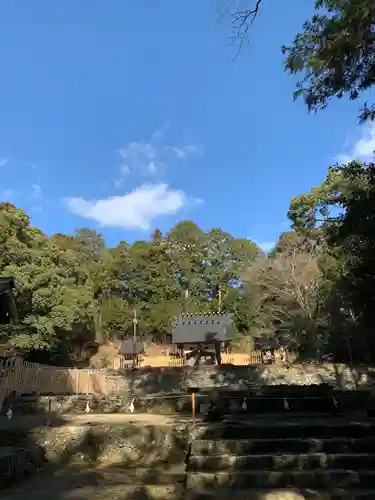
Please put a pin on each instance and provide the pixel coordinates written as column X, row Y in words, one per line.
column 291, row 241
column 72, row 290
column 185, row 246
column 343, row 208
column 352, row 241
column 334, row 52
column 53, row 304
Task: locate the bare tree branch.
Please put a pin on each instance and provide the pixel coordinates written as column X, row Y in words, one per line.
column 289, row 294
column 242, row 20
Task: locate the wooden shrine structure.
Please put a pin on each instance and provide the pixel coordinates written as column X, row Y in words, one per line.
column 207, row 336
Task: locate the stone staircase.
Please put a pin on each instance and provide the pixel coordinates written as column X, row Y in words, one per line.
column 272, row 457
column 310, row 441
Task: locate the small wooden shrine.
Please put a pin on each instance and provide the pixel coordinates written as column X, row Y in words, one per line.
column 132, row 350
column 200, row 336
column 271, row 350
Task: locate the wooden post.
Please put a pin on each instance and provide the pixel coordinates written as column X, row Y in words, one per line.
column 135, row 321
column 76, row 382
column 193, row 391
column 193, row 406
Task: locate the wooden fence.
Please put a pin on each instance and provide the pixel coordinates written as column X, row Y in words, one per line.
column 29, row 378
column 254, row 358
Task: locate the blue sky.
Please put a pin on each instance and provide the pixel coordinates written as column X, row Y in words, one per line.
column 127, row 115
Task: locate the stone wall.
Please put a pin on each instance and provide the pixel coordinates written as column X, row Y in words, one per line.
column 180, row 403
column 166, row 390
column 60, row 405
column 142, row 382
column 84, row 447
column 128, row 444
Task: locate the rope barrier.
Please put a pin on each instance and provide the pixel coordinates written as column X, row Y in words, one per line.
column 196, row 396
column 248, row 398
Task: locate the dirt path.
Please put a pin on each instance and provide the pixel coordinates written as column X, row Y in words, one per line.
column 120, row 418
column 28, row 421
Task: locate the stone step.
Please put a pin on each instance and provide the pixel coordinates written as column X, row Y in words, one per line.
column 308, row 399
column 244, row 417
column 309, row 461
column 292, row 391
column 293, row 445
column 318, row 478
column 279, row 429
column 295, row 415
column 280, row 494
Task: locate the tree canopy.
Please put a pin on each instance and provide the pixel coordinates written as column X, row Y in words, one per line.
column 333, row 53
column 72, row 289
column 312, row 292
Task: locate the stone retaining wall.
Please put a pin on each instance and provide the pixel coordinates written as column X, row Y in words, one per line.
column 262, row 399
column 168, row 380
column 151, row 386
column 124, row 445
column 104, row 445
column 59, row 405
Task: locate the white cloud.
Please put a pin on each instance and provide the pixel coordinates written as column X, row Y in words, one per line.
column 150, row 157
column 134, row 210
column 183, row 151
column 36, row 192
column 3, row 162
column 362, row 149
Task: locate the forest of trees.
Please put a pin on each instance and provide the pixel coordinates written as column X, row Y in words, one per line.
column 314, row 291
